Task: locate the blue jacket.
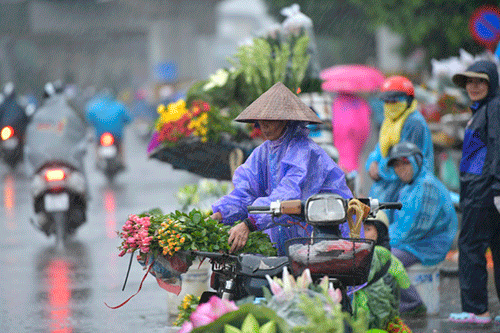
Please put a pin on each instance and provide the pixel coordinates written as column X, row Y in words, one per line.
column 427, row 223
column 292, row 167
column 480, row 163
column 107, row 115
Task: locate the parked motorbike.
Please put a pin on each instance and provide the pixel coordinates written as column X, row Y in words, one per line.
column 345, row 261
column 59, row 193
column 108, row 159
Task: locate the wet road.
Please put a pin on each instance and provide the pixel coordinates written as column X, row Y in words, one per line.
column 45, row 291
column 42, row 290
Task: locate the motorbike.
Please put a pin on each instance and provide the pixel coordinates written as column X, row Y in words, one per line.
column 59, row 193
column 56, row 144
column 346, row 261
column 108, row 159
column 12, row 139
column 12, row 146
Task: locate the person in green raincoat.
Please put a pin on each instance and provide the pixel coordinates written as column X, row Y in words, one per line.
column 380, row 297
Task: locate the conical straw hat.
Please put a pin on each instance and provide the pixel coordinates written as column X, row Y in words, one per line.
column 278, row 103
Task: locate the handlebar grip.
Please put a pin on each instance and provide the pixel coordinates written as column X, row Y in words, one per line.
column 391, row 205
column 258, row 208
column 291, row 207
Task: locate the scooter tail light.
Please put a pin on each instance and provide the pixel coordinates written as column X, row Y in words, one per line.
column 107, row 139
column 7, row 132
column 54, row 175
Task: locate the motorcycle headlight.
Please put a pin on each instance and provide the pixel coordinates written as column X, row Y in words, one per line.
column 325, row 209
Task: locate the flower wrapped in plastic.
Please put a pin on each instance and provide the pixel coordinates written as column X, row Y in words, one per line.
column 166, row 243
column 167, row 269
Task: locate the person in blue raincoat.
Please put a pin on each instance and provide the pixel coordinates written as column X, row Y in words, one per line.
column 479, row 192
column 106, row 114
column 287, row 166
column 424, row 229
column 402, row 122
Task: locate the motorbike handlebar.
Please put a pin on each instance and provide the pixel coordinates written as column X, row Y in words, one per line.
column 214, row 255
column 390, row 205
column 295, row 207
column 258, row 208
column 289, row 207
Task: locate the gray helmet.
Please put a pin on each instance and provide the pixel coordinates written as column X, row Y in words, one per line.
column 405, row 149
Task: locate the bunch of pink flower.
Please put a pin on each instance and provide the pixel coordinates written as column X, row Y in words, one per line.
column 208, row 312
column 135, row 235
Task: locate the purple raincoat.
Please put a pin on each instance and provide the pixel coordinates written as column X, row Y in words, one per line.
column 292, row 167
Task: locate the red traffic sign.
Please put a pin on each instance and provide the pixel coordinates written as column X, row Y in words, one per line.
column 484, row 26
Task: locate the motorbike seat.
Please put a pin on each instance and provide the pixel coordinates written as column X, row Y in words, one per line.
column 260, row 266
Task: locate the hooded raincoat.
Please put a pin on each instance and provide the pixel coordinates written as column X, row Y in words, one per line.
column 107, row 115
column 427, row 224
column 55, row 133
column 480, row 163
column 291, row 167
column 479, row 184
column 416, row 131
column 351, row 128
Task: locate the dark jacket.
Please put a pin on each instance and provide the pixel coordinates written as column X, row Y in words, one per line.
column 480, row 163
column 13, row 114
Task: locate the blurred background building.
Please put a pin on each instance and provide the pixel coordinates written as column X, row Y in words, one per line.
column 122, row 44
column 132, row 44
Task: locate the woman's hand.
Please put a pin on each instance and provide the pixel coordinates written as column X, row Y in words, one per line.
column 373, row 171
column 216, row 216
column 238, row 236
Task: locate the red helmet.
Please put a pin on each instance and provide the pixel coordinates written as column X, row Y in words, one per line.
column 397, row 85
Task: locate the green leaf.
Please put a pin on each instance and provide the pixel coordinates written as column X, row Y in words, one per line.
column 231, row 329
column 269, row 327
column 250, row 324
column 235, row 318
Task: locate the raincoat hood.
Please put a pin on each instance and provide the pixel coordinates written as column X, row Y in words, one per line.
column 427, row 224
column 55, row 133
column 480, row 67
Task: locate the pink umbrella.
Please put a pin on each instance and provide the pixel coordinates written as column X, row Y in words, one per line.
column 351, row 78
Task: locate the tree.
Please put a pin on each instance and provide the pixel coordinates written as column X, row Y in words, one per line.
column 341, row 29
column 441, row 27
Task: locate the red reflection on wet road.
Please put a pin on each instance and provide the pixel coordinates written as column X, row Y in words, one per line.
column 9, row 195
column 59, row 296
column 110, row 207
